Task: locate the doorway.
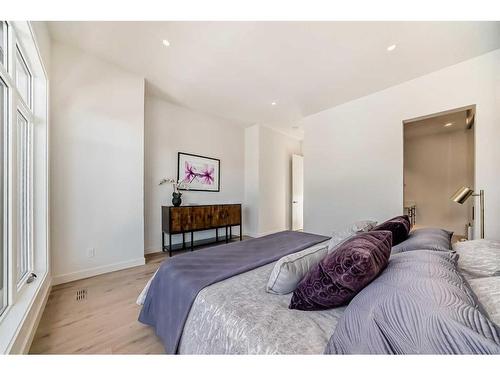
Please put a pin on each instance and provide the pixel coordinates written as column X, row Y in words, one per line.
column 297, row 192
column 438, row 160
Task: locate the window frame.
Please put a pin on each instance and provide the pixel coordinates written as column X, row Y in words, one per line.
column 5, row 62
column 16, row 104
column 17, row 317
column 19, row 51
column 21, row 282
column 4, row 197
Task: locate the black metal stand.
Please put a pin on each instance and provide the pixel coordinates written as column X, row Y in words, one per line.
column 228, row 236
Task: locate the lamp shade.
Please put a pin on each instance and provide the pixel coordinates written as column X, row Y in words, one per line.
column 462, row 194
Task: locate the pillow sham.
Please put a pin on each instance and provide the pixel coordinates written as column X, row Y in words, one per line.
column 478, row 258
column 399, row 226
column 425, row 239
column 343, row 273
column 357, row 227
column 420, row 304
column 289, row 270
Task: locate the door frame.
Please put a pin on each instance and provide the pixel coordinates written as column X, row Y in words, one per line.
column 472, row 125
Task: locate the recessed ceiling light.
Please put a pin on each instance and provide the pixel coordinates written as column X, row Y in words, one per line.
column 392, row 47
column 448, row 124
column 166, row 43
column 273, row 103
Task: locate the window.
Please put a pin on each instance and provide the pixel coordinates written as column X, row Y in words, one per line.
column 23, row 78
column 23, row 177
column 24, row 198
column 3, row 247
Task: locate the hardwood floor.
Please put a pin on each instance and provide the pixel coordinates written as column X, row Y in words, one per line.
column 104, row 321
column 98, row 315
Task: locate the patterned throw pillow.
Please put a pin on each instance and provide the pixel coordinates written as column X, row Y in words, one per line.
column 344, row 272
column 399, row 226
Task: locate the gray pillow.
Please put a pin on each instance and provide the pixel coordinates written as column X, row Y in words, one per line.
column 420, row 304
column 436, row 239
column 478, row 258
column 289, row 270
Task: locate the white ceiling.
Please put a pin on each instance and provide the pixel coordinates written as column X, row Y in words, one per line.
column 236, row 69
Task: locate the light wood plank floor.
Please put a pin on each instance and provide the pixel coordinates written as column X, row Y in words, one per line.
column 105, row 321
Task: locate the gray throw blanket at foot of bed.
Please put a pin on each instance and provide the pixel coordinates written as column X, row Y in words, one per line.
column 178, row 281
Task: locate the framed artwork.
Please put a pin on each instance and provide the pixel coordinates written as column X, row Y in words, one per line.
column 198, row 173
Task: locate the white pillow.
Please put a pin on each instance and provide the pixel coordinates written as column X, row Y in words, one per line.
column 363, row 226
column 289, row 270
column 339, row 237
column 478, row 258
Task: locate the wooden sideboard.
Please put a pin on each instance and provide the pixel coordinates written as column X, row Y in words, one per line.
column 190, row 219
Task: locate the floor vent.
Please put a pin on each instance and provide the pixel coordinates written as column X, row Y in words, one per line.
column 81, row 294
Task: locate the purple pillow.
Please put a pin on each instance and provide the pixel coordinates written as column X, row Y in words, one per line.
column 399, row 226
column 344, row 272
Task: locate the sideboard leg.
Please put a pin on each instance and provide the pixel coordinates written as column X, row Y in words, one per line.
column 241, row 232
column 169, row 245
column 192, row 242
column 183, row 240
column 226, row 236
column 163, row 241
column 230, row 233
column 216, row 234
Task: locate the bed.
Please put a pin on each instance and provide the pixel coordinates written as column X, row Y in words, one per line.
column 237, row 316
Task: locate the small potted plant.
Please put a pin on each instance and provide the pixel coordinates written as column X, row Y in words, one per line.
column 176, row 185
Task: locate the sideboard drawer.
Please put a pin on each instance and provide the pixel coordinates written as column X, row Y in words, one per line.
column 201, row 217
column 180, row 219
column 234, row 214
column 219, row 218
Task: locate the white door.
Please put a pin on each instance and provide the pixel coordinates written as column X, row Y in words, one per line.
column 297, row 192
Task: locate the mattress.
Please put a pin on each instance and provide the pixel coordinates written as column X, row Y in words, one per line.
column 238, row 316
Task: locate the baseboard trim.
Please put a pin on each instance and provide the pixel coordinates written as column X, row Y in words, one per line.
column 151, row 251
column 262, row 234
column 89, row 272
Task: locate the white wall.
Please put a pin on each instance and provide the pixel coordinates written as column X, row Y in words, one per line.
column 97, row 138
column 268, row 182
column 353, row 153
column 251, row 216
column 170, row 129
